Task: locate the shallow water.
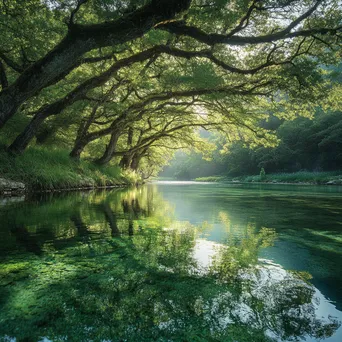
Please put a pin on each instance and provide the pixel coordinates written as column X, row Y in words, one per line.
column 173, row 262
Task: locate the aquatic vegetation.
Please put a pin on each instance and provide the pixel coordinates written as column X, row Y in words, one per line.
column 236, row 256
column 120, row 266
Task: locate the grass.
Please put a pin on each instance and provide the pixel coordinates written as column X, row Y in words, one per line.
column 334, row 177
column 211, row 179
column 42, row 169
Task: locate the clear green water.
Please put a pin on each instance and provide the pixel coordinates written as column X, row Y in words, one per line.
column 173, row 262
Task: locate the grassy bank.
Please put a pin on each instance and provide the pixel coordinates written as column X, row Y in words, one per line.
column 212, row 179
column 334, row 177
column 331, row 178
column 43, row 169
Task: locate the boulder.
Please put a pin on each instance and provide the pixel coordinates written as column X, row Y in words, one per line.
column 8, row 187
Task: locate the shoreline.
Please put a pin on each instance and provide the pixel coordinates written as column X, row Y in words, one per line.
column 42, row 170
column 283, row 183
column 18, row 189
column 249, row 183
column 16, row 192
column 294, row 178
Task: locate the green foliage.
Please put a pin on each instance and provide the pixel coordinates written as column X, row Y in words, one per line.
column 199, row 75
column 333, row 177
column 238, row 256
column 210, row 179
column 165, row 79
column 42, row 168
column 116, row 265
column 262, row 174
column 306, row 146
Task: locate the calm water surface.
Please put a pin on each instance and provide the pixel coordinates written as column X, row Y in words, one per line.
column 173, row 262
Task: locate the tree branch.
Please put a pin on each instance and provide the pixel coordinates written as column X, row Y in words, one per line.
column 244, row 20
column 179, row 28
column 58, row 62
column 3, row 77
column 74, row 11
column 215, row 38
column 11, row 63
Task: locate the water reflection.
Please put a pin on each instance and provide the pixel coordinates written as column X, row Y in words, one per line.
column 120, row 266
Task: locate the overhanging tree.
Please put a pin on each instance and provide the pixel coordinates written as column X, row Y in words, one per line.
column 158, row 51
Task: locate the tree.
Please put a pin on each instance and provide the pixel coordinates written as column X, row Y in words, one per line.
column 78, row 40
column 119, row 63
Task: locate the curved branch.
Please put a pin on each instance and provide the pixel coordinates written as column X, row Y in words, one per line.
column 179, row 28
column 215, row 38
column 244, row 20
column 80, row 39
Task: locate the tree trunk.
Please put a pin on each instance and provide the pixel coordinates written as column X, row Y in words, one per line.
column 82, row 138
column 126, row 161
column 130, row 136
column 23, row 139
column 57, row 63
column 75, row 95
column 110, row 149
column 137, row 158
column 43, row 135
column 30, row 131
column 78, row 148
column 47, row 71
column 136, row 161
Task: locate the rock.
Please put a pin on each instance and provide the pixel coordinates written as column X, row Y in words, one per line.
column 332, row 182
column 9, row 188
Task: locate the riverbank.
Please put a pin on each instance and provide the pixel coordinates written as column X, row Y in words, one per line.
column 301, row 177
column 39, row 169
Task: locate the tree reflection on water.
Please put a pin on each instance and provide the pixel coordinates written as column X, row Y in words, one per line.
column 117, row 266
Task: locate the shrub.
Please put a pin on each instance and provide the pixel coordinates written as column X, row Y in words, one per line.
column 262, row 174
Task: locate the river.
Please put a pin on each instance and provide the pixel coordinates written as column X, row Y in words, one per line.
column 173, row 261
